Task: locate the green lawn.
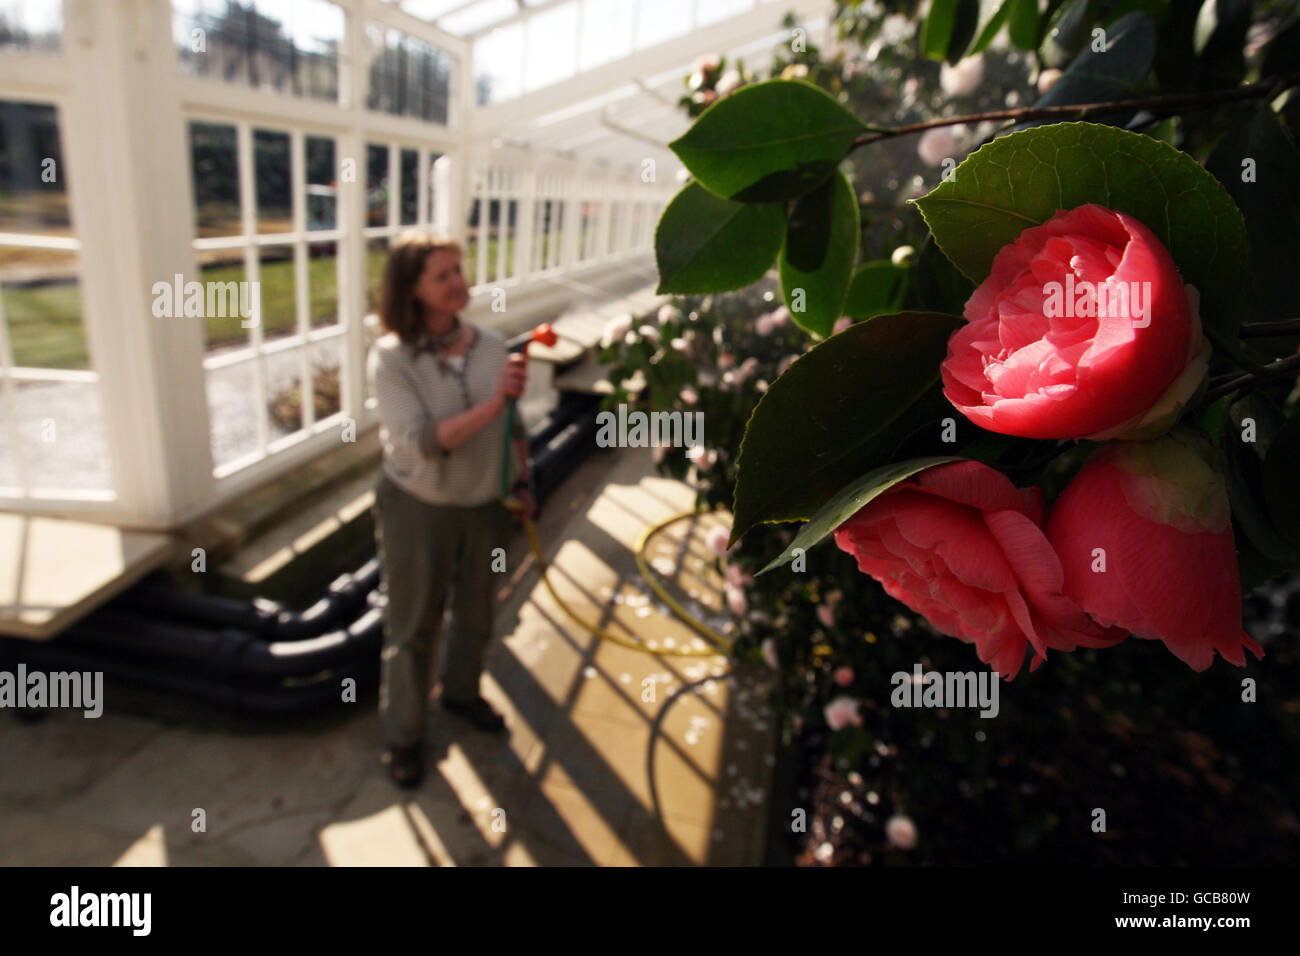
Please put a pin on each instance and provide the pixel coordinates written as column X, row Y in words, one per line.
column 45, row 326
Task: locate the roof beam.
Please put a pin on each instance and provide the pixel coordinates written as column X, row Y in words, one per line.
column 748, row 27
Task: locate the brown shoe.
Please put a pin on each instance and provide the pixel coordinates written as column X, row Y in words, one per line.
column 406, row 766
column 478, row 712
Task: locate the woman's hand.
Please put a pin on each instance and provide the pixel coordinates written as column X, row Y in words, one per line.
column 510, row 384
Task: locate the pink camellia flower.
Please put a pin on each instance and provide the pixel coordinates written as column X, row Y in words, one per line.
column 717, row 541
column 961, row 545
column 1083, row 329
column 763, row 325
column 841, row 712
column 1145, row 540
column 900, row 831
column 689, row 395
column 826, row 614
column 844, row 676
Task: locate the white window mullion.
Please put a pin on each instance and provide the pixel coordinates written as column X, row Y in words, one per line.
column 394, row 186
column 11, row 394
column 253, row 272
column 482, row 193
column 422, row 188
column 503, row 210
column 302, row 294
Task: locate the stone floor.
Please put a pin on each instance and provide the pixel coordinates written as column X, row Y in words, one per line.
column 614, row 756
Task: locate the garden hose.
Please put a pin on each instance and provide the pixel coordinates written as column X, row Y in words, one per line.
column 547, row 336
column 723, row 645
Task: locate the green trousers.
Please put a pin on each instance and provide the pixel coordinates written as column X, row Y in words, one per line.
column 427, row 551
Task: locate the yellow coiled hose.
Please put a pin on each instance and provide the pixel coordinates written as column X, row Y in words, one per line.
column 723, row 645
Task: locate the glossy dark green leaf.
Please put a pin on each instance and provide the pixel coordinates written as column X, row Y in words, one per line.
column 1023, row 179
column 1022, row 24
column 1260, row 168
column 877, row 288
column 1116, row 74
column 936, row 33
column 1069, row 29
column 1244, row 471
column 768, row 142
column 816, row 261
column 992, row 15
column 838, row 412
column 707, row 244
column 849, row 501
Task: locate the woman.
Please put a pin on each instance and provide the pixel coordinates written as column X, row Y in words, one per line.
column 443, row 386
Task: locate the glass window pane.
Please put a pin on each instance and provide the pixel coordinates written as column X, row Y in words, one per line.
column 322, row 185
column 376, row 256
column 469, row 262
column 552, row 46
column 408, row 77
column 284, row 392
column 232, row 411
column 606, row 32
column 30, row 26
column 326, row 375
column 661, row 20
column 376, row 185
column 274, row 193
column 228, row 300
column 711, row 11
column 410, row 166
column 499, row 65
column 323, row 283
column 33, row 178
column 62, row 428
column 279, row 304
column 509, row 233
column 214, row 173
column 318, row 38
column 41, row 295
column 280, row 46
column 479, row 15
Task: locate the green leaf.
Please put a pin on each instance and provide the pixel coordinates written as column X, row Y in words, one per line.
column 877, row 287
column 1218, row 39
column 839, row 411
column 963, row 29
column 821, row 245
column 1068, row 29
column 1118, row 73
column 1022, row 179
column 992, row 14
column 849, row 501
column 1022, row 24
column 1270, row 203
column 939, row 286
column 937, row 31
column 707, row 244
column 1250, row 510
column 768, row 142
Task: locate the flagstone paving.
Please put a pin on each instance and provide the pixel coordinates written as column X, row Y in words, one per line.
column 614, row 756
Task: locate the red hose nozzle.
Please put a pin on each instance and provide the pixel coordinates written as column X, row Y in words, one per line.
column 545, row 335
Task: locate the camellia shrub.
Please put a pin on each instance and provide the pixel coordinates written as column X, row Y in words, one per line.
column 1079, row 425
